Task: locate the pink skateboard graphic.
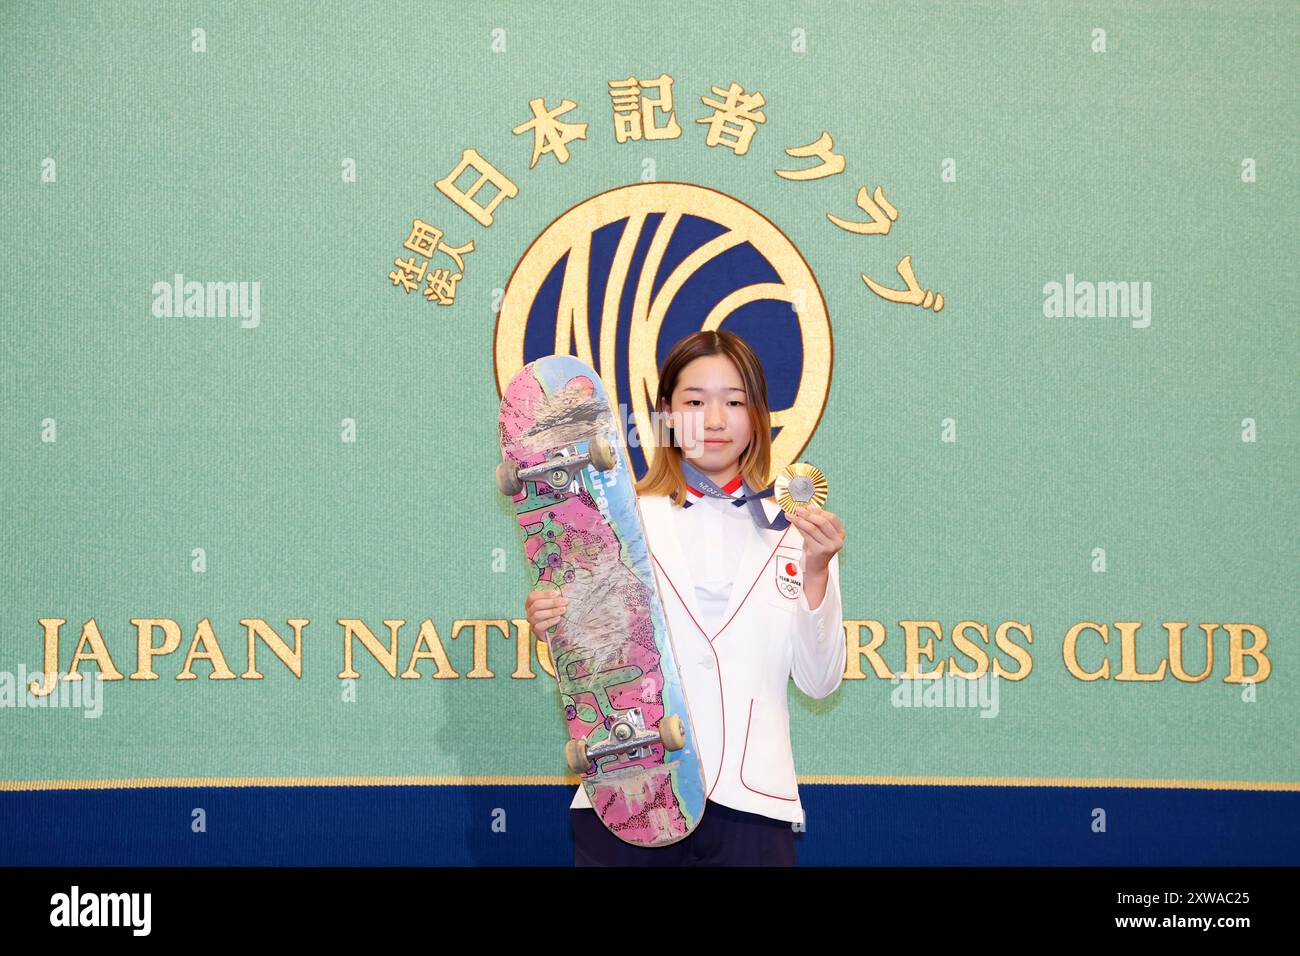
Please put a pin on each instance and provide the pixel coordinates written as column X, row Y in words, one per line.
column 566, row 472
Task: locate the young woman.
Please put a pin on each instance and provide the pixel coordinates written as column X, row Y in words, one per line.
column 752, row 599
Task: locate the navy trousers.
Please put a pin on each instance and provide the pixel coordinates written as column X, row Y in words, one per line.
column 724, row 837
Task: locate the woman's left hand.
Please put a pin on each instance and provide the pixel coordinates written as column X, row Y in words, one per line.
column 823, row 536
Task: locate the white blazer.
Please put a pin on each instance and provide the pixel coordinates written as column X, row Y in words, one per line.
column 737, row 679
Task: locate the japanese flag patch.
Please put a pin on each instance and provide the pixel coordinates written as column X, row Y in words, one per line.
column 789, row 577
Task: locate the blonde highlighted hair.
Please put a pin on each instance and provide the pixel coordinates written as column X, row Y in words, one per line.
column 664, row 476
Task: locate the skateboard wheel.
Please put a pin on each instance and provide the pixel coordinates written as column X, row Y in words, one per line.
column 672, row 733
column 508, row 478
column 602, row 453
column 575, row 755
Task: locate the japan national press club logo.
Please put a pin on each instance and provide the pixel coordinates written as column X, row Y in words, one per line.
column 619, row 278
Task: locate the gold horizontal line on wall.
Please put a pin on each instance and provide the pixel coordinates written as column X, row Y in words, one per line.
column 561, row 780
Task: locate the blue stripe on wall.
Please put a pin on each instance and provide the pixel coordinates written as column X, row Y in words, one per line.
column 847, row 825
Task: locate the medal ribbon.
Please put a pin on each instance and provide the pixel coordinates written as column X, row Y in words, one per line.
column 702, row 484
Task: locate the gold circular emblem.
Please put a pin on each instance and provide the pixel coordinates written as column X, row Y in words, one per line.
column 614, row 278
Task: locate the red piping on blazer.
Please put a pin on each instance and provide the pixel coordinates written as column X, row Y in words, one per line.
column 718, row 664
column 761, row 793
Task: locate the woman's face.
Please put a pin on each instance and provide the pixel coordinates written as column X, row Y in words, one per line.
column 710, row 413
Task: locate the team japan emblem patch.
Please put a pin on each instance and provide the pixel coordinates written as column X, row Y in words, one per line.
column 789, row 577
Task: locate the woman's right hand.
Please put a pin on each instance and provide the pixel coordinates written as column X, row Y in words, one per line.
column 544, row 609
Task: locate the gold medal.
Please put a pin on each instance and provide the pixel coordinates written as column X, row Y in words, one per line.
column 800, row 484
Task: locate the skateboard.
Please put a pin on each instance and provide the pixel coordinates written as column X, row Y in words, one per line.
column 565, row 470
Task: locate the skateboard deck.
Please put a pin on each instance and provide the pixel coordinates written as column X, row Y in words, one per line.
column 620, row 689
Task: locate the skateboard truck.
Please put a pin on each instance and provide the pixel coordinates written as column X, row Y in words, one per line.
column 627, row 733
column 558, row 472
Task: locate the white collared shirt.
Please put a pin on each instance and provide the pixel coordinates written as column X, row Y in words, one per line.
column 713, row 534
